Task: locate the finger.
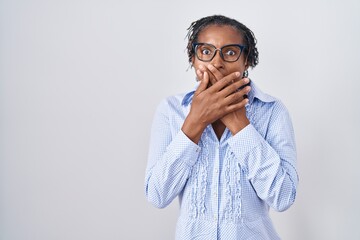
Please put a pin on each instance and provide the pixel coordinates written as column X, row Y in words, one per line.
column 203, row 84
column 227, row 81
column 211, row 77
column 215, row 72
column 237, row 96
column 236, row 86
column 246, row 82
column 236, row 106
column 199, row 75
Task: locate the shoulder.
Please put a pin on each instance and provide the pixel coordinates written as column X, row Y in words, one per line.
column 173, row 100
column 171, row 104
column 257, row 93
column 261, row 99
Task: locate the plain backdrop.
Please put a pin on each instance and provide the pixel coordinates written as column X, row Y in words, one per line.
column 79, row 84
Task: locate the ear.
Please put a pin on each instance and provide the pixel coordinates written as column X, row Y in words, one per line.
column 246, row 61
column 246, row 65
column 192, row 60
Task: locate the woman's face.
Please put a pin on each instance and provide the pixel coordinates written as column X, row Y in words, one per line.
column 220, row 35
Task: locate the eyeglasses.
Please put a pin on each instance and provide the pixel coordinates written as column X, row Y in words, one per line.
column 229, row 53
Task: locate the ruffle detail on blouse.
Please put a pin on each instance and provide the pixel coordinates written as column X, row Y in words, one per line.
column 193, row 200
column 228, row 192
column 203, row 177
column 199, row 182
column 237, row 201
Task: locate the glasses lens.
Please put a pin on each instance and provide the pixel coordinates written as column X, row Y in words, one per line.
column 231, row 53
column 205, row 52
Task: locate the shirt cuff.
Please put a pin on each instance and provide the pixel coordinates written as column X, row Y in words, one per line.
column 243, row 142
column 183, row 148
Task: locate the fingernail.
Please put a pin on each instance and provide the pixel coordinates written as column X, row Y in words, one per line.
column 237, row 74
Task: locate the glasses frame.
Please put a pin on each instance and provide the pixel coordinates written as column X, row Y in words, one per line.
column 196, row 45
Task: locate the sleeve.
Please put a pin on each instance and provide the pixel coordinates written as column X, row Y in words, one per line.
column 270, row 162
column 170, row 160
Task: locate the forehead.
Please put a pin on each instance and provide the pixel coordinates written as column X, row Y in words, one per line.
column 220, row 35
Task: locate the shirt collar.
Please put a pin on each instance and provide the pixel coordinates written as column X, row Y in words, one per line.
column 255, row 92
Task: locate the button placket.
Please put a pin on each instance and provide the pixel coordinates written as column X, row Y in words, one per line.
column 215, row 189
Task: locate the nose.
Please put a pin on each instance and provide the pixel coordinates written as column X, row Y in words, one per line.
column 217, row 61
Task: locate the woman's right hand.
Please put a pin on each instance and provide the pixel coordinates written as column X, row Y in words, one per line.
column 212, row 103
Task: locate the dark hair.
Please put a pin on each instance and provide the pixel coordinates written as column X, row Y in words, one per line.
column 249, row 37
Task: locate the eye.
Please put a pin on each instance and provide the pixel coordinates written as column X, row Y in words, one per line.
column 205, row 51
column 230, row 52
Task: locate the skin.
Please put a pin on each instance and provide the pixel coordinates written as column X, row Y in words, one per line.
column 216, row 100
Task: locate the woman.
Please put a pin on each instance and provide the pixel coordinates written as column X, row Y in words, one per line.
column 226, row 149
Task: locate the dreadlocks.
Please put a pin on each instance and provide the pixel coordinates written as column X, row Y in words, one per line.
column 249, row 37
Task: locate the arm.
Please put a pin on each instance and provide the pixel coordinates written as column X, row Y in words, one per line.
column 170, row 160
column 270, row 162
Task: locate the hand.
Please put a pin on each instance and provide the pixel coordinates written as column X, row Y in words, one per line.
column 237, row 120
column 211, row 103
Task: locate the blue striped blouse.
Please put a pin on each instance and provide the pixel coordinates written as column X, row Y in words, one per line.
column 225, row 186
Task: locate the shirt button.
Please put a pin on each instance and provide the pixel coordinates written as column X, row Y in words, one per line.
column 215, row 217
column 216, row 170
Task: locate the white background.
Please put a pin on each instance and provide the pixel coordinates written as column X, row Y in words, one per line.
column 79, row 84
